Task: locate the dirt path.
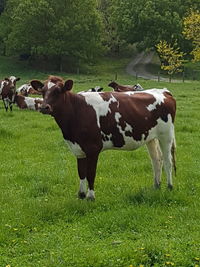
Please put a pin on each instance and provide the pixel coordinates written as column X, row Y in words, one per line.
column 137, row 67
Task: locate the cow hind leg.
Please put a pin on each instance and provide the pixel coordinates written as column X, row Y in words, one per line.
column 166, row 148
column 156, row 159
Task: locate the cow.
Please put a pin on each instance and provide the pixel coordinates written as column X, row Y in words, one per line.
column 93, row 122
column 26, row 89
column 93, row 89
column 7, row 91
column 123, row 88
column 24, row 102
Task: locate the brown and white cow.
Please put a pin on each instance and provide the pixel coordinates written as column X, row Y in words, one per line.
column 7, row 91
column 124, row 88
column 92, row 122
column 24, row 102
column 26, row 89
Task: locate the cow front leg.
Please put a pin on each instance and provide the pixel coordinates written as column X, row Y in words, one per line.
column 91, row 173
column 5, row 104
column 82, row 171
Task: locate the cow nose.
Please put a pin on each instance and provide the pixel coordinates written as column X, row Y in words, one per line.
column 46, row 109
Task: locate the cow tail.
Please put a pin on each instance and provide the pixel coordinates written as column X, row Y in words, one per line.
column 173, row 153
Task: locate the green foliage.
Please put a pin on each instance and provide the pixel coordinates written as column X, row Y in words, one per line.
column 171, row 57
column 48, row 28
column 148, row 22
column 192, row 32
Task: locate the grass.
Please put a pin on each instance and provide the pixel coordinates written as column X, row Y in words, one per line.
column 130, row 224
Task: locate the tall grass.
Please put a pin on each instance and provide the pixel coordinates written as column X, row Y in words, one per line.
column 130, row 224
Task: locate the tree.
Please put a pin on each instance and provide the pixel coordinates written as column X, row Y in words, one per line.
column 146, row 22
column 171, row 57
column 192, row 32
column 2, row 5
column 58, row 29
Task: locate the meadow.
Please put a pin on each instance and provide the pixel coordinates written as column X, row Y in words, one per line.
column 130, row 224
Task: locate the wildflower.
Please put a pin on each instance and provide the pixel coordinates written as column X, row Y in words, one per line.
column 167, row 255
column 169, row 263
column 197, row 258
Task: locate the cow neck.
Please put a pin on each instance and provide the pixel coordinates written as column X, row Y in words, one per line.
column 65, row 115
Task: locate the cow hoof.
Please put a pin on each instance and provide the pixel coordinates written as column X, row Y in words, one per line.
column 81, row 195
column 157, row 186
column 90, row 198
column 170, row 187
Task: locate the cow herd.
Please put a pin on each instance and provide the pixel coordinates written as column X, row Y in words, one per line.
column 95, row 120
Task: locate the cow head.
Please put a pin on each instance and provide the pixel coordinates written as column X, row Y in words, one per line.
column 53, row 91
column 9, row 88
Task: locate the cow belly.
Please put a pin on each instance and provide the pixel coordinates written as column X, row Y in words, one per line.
column 129, row 144
column 75, row 149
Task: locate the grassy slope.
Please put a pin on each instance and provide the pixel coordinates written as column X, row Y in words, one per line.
column 44, row 224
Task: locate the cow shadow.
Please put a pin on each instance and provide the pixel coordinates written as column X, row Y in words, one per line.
column 163, row 197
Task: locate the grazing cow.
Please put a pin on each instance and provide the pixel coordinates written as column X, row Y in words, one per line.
column 26, row 89
column 93, row 122
column 94, row 89
column 7, row 91
column 123, row 88
column 24, row 102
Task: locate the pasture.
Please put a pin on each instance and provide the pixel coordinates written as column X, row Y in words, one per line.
column 130, row 224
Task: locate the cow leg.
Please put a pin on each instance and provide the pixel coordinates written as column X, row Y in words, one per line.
column 91, row 173
column 82, row 171
column 10, row 106
column 167, row 157
column 5, row 104
column 156, row 159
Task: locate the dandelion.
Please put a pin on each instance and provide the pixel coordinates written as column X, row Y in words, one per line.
column 169, row 263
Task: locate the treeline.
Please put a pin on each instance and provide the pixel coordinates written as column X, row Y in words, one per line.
column 73, row 32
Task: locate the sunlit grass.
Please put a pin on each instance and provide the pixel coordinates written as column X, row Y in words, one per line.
column 130, row 224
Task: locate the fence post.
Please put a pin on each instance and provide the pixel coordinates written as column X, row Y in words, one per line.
column 183, row 76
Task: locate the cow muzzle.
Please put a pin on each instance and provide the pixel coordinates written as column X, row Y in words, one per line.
column 46, row 109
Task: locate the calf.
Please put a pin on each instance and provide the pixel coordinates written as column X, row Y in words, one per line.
column 24, row 102
column 123, row 88
column 92, row 122
column 7, row 91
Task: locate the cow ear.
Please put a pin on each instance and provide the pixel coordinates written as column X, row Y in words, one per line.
column 67, row 86
column 37, row 85
column 6, row 79
column 17, row 79
column 100, row 89
column 93, row 89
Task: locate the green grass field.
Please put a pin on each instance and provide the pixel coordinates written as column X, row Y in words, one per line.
column 130, row 224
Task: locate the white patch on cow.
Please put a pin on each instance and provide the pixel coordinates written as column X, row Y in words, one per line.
column 3, row 83
column 50, row 84
column 12, row 78
column 83, row 185
column 100, row 106
column 75, row 149
column 90, row 194
column 30, row 102
column 159, row 96
column 23, row 88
